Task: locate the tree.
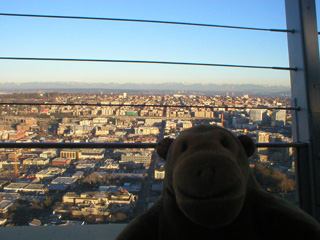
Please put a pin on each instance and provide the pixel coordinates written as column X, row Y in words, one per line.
column 93, row 178
column 21, row 216
column 118, row 217
column 273, row 180
column 287, row 185
column 47, row 202
column 90, row 219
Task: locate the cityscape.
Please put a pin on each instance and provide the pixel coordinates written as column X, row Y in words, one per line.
column 88, row 89
column 94, row 186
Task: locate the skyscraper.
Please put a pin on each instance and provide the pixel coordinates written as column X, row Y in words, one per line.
column 279, row 118
column 256, row 116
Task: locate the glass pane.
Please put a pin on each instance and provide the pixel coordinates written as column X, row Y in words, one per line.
column 56, row 186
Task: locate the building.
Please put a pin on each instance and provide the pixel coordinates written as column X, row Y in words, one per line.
column 62, row 183
column 86, row 167
column 263, row 158
column 266, row 118
column 50, row 173
column 15, row 187
column 88, row 203
column 9, row 196
column 86, row 198
column 240, row 123
column 99, row 121
column 185, row 124
column 146, row 131
column 144, row 158
column 110, row 164
column 61, row 162
column 133, row 188
column 35, row 188
column 70, row 153
column 202, row 113
column 279, row 118
column 131, row 113
column 36, row 161
column 92, row 210
column 263, row 137
column 3, row 221
column 256, row 116
column 152, row 121
column 48, row 154
column 5, row 205
column 101, row 130
column 276, row 137
column 92, row 154
column 123, row 197
column 159, row 174
column 30, row 121
column 78, row 175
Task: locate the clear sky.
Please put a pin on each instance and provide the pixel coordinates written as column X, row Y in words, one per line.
column 62, row 38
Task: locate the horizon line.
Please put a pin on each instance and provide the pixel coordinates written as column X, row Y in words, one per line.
column 136, row 83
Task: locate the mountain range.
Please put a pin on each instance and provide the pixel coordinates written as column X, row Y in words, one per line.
column 185, row 87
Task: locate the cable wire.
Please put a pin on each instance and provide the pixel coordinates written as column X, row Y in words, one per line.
column 144, row 62
column 145, row 21
column 123, row 145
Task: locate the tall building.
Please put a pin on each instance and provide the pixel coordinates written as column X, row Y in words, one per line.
column 256, row 116
column 279, row 118
column 263, row 137
column 266, row 118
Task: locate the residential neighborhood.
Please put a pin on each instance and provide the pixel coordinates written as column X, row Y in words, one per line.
column 41, row 186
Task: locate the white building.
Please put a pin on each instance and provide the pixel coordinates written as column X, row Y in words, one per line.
column 279, row 118
column 50, row 173
column 146, row 131
column 143, row 158
column 159, row 174
column 256, row 116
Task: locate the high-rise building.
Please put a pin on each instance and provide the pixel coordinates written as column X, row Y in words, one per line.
column 266, row 118
column 263, row 137
column 256, row 116
column 279, row 118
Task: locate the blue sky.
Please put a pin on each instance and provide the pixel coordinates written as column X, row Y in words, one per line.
column 61, row 38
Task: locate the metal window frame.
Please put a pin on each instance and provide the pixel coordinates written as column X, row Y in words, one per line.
column 304, row 55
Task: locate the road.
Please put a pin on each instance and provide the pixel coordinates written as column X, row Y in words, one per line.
column 145, row 192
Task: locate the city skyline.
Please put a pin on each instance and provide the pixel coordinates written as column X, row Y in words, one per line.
column 65, row 38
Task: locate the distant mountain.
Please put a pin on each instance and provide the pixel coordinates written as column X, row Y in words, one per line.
column 196, row 87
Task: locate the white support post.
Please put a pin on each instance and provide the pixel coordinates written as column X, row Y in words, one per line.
column 305, row 89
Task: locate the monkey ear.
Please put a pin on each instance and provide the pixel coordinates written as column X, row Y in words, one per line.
column 163, row 147
column 247, row 144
